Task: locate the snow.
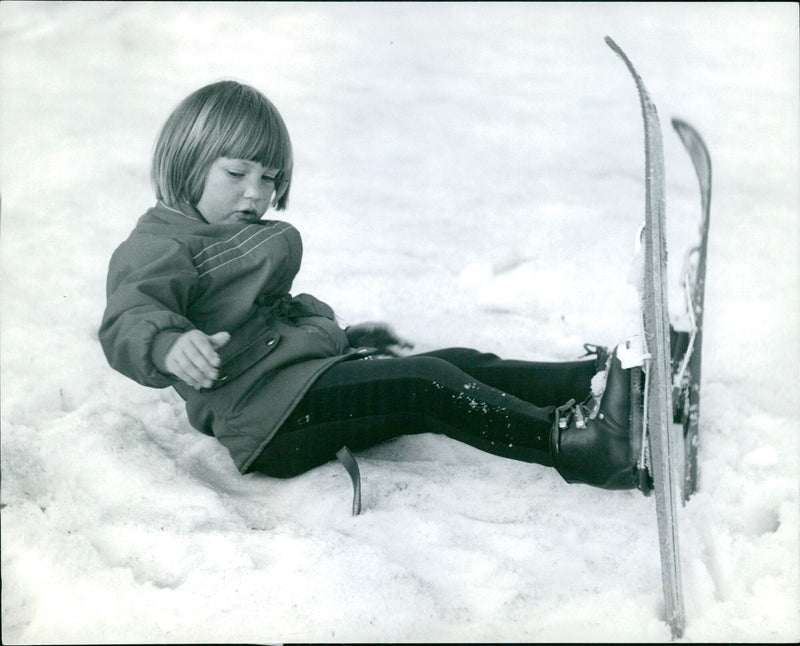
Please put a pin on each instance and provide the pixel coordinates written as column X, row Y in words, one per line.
column 471, row 173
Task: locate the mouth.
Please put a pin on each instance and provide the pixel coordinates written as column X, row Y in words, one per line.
column 247, row 215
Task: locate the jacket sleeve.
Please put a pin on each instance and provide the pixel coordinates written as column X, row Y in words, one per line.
column 150, row 284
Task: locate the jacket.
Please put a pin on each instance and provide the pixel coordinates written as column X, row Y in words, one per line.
column 175, row 273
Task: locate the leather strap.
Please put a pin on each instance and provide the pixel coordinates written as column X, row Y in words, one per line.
column 349, row 462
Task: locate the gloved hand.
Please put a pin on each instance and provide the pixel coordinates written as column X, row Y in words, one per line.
column 376, row 335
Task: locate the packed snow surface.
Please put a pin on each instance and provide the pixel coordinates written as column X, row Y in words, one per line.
column 473, row 174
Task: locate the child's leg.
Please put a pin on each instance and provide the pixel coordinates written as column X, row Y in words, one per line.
column 540, row 383
column 360, row 403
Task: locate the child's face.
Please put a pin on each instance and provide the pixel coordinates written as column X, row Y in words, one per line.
column 236, row 190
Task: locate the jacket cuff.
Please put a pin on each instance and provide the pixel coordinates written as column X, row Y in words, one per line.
column 162, row 342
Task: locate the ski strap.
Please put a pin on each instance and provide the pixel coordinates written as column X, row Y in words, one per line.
column 349, row 462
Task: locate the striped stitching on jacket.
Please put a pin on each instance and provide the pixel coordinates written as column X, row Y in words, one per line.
column 239, row 249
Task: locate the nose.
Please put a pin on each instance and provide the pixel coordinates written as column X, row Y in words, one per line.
column 257, row 190
column 253, row 191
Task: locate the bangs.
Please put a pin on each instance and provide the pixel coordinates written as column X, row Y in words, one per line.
column 256, row 134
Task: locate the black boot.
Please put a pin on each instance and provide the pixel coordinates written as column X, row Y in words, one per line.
column 596, row 449
column 679, row 343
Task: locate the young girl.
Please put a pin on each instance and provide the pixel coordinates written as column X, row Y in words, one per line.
column 198, row 299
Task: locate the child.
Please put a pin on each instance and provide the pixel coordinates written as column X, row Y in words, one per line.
column 198, row 299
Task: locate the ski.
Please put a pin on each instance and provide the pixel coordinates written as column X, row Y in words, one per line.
column 686, row 379
column 658, row 412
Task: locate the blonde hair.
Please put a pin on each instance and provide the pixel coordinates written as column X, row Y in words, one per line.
column 224, row 119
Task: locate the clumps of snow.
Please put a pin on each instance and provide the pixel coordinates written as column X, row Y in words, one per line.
column 598, row 385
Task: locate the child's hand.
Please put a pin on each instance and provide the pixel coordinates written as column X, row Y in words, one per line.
column 193, row 357
column 375, row 335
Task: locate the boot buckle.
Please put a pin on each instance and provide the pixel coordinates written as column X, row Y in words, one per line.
column 563, row 414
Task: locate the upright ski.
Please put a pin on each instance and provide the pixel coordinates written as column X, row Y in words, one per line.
column 663, row 445
column 686, row 381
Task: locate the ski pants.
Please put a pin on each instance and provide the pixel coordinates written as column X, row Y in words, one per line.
column 504, row 407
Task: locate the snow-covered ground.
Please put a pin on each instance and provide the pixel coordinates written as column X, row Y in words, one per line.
column 473, row 174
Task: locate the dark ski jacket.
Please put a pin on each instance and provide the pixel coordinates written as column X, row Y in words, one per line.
column 175, row 273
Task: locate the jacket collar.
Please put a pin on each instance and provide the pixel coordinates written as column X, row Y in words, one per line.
column 184, row 209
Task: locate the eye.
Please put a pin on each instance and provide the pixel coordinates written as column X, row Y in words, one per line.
column 235, row 173
column 273, row 177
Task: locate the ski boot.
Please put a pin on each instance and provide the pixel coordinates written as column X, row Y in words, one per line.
column 594, row 446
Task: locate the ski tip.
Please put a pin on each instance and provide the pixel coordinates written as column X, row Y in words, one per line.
column 618, row 51
column 683, row 128
column 647, row 103
column 681, row 124
column 613, row 45
column 698, row 151
column 691, row 137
